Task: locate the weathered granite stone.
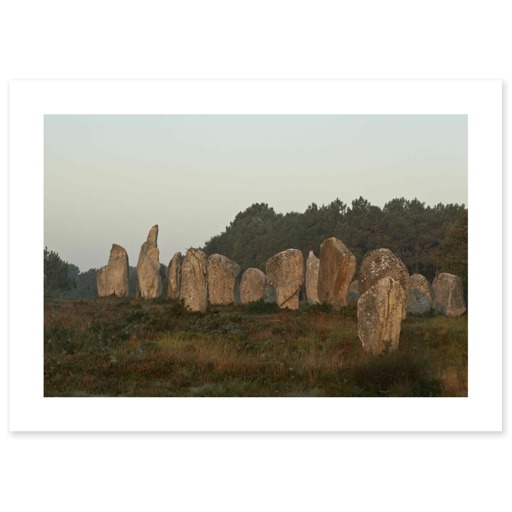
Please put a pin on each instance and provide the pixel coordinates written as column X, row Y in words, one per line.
column 153, row 235
column 174, row 276
column 336, row 271
column 222, row 274
column 353, row 292
column 447, row 295
column 102, row 282
column 379, row 316
column 420, row 296
column 285, row 273
column 383, row 263
column 149, row 282
column 112, row 279
column 252, row 285
column 312, row 266
column 194, row 286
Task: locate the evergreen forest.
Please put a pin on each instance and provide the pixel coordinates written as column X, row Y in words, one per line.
column 428, row 239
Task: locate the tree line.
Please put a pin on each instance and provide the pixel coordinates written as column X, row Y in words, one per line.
column 428, row 239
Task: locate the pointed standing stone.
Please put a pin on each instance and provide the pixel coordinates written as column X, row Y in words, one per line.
column 285, row 273
column 174, row 276
column 448, row 296
column 379, row 316
column 222, row 274
column 194, row 288
column 102, row 282
column 113, row 278
column 336, row 271
column 383, row 263
column 149, row 282
column 252, row 285
column 312, row 266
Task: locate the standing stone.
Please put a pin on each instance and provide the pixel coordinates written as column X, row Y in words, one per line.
column 420, row 297
column 447, row 295
column 379, row 316
column 222, row 274
column 312, row 266
column 112, row 279
column 383, row 263
column 285, row 273
column 149, row 282
column 336, row 271
column 194, row 286
column 102, row 282
column 353, row 292
column 174, row 276
column 252, row 285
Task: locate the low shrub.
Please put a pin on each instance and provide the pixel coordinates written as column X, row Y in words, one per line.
column 398, row 373
column 112, row 347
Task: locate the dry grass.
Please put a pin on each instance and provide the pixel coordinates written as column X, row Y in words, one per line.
column 117, row 347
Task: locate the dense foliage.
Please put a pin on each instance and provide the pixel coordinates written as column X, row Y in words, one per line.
column 427, row 239
column 452, row 255
column 56, row 273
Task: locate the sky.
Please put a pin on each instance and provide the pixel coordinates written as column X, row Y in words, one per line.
column 109, row 178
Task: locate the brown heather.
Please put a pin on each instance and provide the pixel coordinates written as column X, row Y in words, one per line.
column 129, row 347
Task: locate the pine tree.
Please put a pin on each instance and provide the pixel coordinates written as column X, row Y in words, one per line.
column 56, row 273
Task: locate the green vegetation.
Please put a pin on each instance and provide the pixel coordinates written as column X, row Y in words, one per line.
column 414, row 232
column 452, row 255
column 127, row 347
column 58, row 274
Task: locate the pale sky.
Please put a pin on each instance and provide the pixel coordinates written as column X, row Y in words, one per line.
column 109, row 178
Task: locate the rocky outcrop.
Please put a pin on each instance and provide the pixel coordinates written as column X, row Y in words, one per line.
column 379, row 316
column 252, row 285
column 353, row 292
column 447, row 295
column 420, row 297
column 112, row 279
column 149, row 282
column 194, row 287
column 174, row 276
column 336, row 271
column 312, row 266
column 383, row 263
column 222, row 274
column 285, row 273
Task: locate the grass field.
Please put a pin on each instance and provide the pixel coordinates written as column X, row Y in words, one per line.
column 129, row 347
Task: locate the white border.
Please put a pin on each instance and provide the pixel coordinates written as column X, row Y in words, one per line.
column 30, row 100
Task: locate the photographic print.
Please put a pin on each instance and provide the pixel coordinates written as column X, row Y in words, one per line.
column 255, row 255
